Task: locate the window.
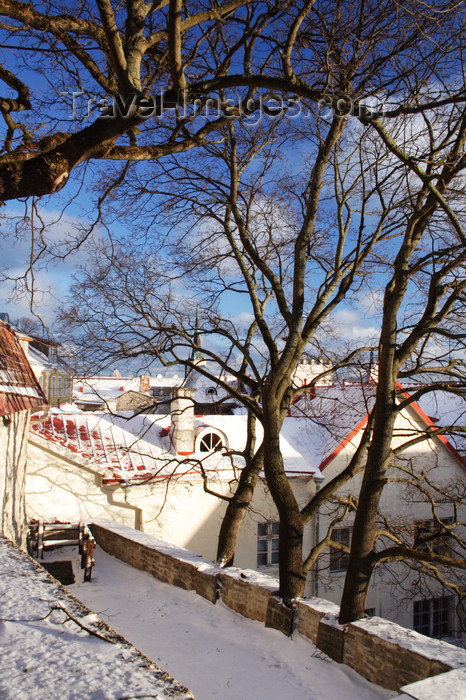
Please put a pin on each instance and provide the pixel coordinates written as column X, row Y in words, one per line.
column 210, row 442
column 339, row 560
column 267, row 543
column 161, row 392
column 433, row 616
column 425, row 528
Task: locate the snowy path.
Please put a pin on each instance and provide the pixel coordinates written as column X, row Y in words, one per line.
column 46, row 655
column 211, row 649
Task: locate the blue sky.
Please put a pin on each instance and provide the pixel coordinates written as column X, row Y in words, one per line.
column 52, row 278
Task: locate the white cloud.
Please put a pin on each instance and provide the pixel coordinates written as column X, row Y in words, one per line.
column 55, row 236
column 349, row 324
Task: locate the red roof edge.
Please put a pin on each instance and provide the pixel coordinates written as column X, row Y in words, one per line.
column 431, row 423
column 421, row 415
column 343, row 443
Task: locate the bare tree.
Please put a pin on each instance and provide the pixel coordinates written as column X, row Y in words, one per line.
column 367, row 200
column 363, row 191
column 130, row 63
column 434, row 211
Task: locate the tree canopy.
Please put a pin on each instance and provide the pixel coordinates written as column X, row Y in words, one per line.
column 139, row 80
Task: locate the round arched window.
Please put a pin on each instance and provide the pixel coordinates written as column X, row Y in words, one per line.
column 210, row 442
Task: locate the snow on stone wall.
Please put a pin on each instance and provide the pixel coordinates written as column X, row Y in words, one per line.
column 381, row 651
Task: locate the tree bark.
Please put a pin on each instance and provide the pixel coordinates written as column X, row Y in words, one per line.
column 361, row 565
column 236, row 510
column 292, row 576
column 27, row 175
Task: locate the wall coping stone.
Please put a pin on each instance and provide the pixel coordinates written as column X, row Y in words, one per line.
column 320, row 605
column 151, row 542
column 449, row 685
column 432, row 649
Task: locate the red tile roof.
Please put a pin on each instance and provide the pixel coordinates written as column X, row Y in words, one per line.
column 19, row 388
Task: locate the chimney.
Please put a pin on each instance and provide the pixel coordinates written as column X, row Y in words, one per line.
column 182, row 415
column 144, row 385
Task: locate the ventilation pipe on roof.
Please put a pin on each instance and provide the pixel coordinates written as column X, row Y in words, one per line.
column 182, row 419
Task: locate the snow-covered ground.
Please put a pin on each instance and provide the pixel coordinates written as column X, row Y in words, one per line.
column 214, row 651
column 45, row 654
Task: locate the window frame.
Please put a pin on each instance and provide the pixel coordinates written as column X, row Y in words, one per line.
column 205, row 438
column 429, row 526
column 268, row 533
column 339, row 560
column 433, row 616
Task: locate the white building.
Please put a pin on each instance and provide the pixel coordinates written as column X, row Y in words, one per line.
column 149, row 472
column 425, row 488
column 51, row 371
column 20, row 396
column 152, row 471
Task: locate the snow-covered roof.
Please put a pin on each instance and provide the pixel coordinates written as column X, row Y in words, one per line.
column 444, row 409
column 123, row 447
column 339, row 413
column 335, row 416
column 101, row 389
column 300, row 445
column 137, row 448
column 161, row 380
column 132, row 448
column 444, row 406
column 206, row 388
column 94, row 390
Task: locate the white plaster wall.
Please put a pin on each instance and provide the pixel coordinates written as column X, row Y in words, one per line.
column 13, row 452
column 263, row 508
column 63, row 489
column 179, row 512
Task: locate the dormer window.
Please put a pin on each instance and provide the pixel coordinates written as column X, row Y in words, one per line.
column 210, row 442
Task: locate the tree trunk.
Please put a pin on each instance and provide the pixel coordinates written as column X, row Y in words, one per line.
column 236, row 510
column 292, row 576
column 360, row 567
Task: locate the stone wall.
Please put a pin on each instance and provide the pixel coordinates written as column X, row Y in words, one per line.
column 244, row 597
column 170, row 568
column 393, row 656
column 381, row 651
